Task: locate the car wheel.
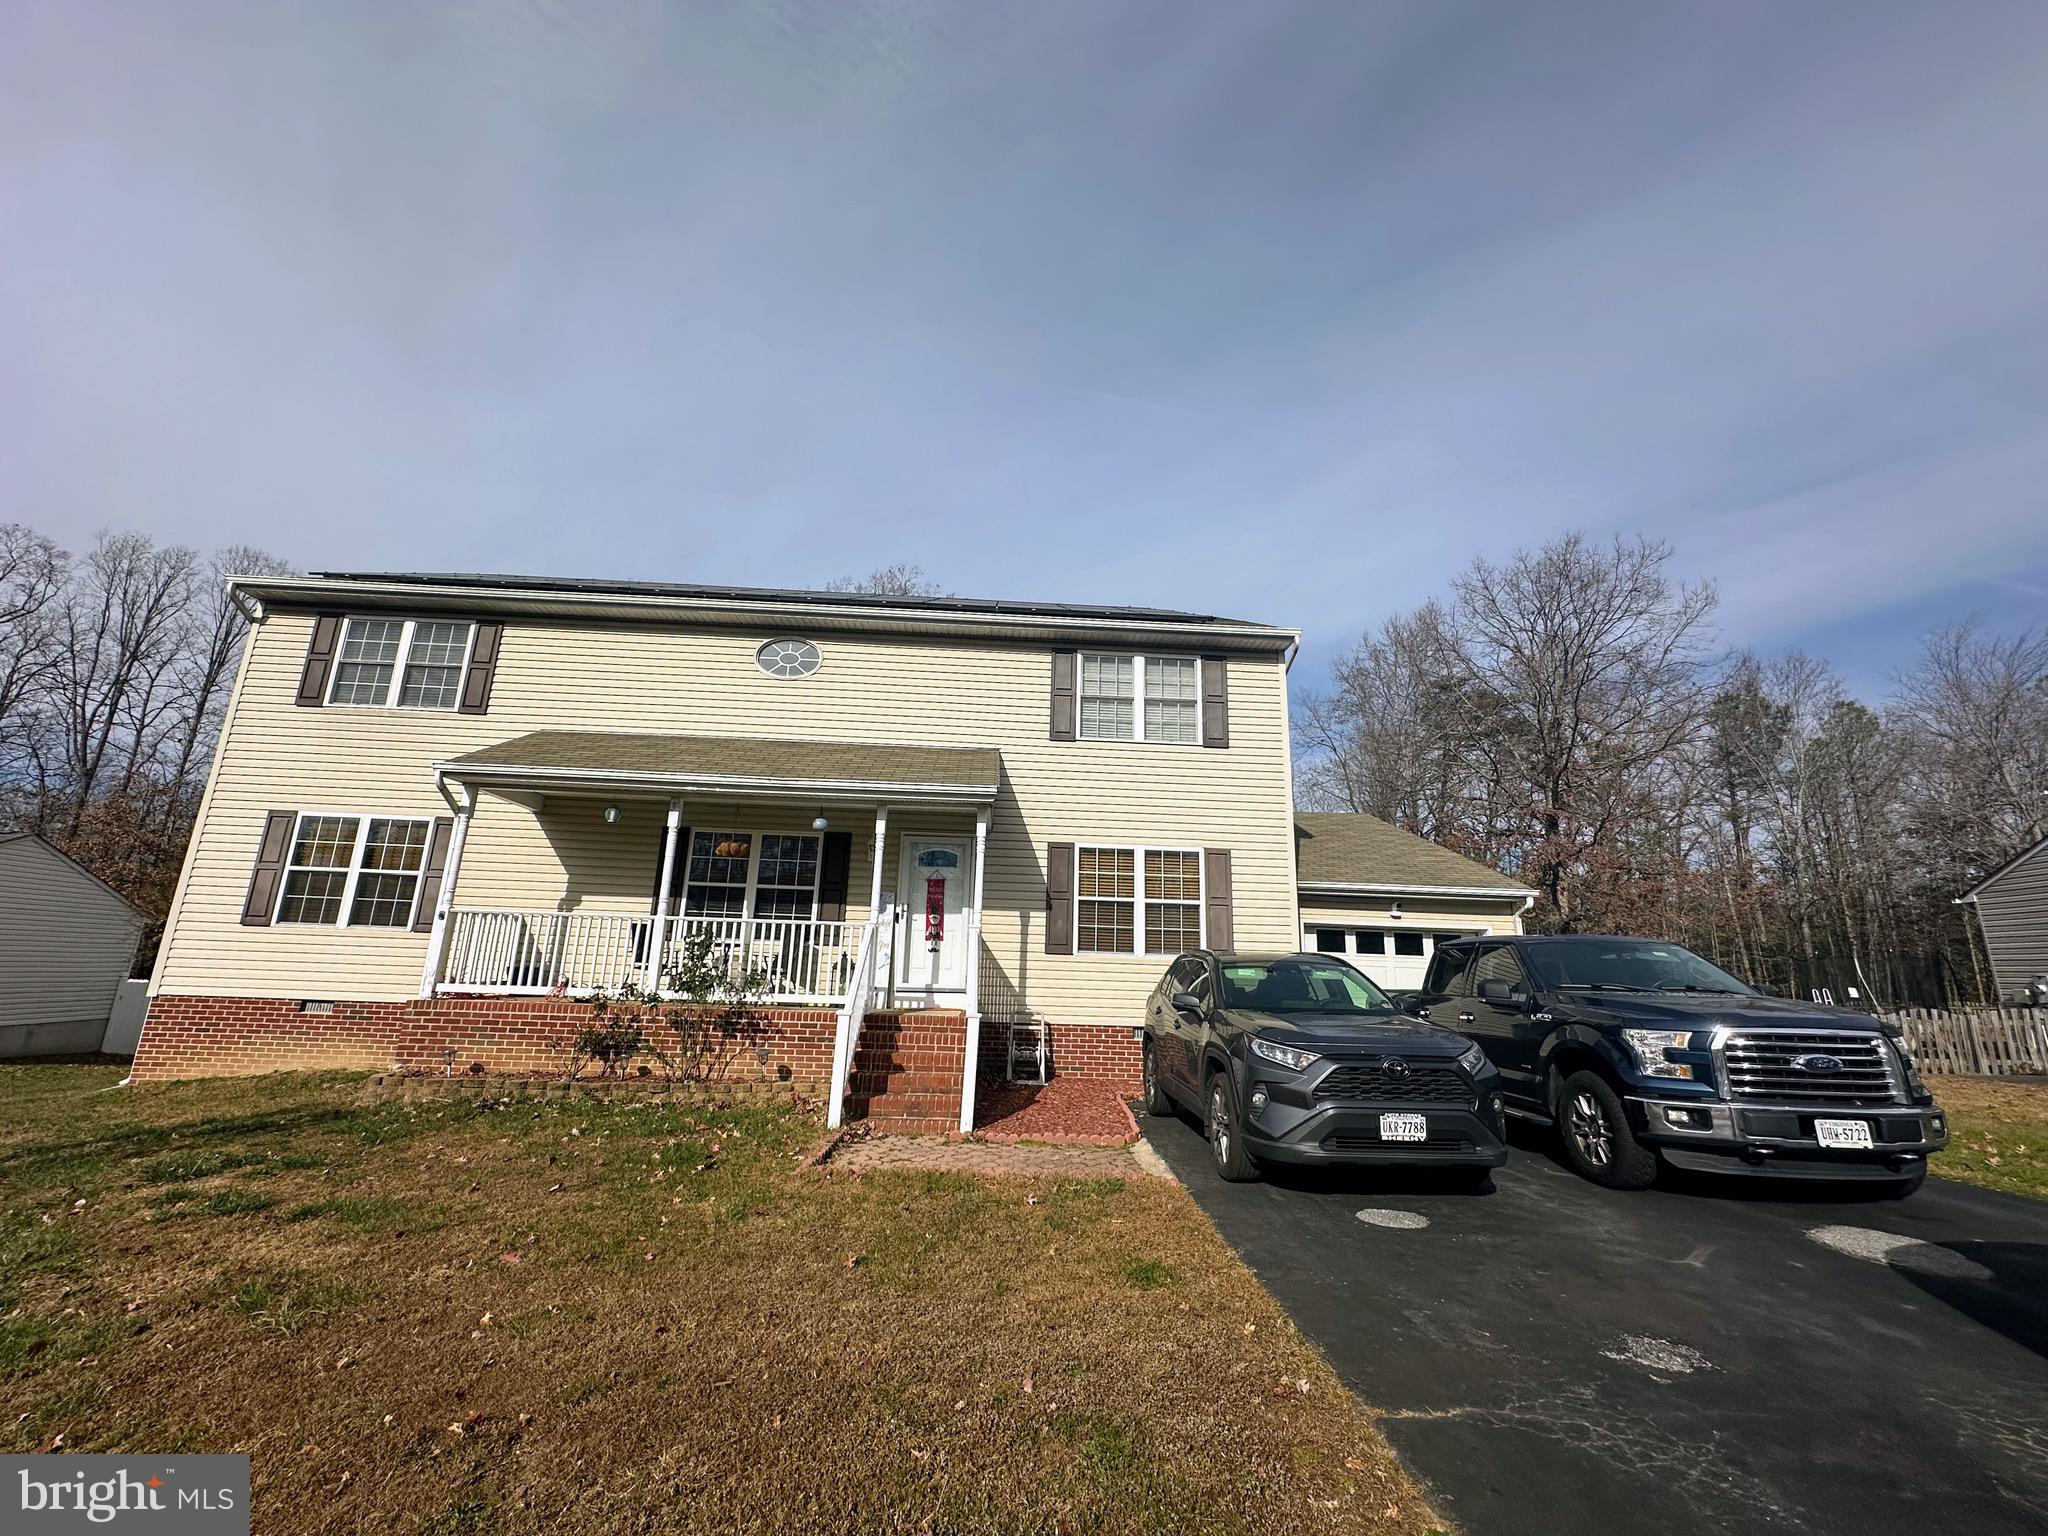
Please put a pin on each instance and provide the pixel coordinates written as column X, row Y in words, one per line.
column 1597, row 1137
column 1154, row 1098
column 1905, row 1187
column 1226, row 1136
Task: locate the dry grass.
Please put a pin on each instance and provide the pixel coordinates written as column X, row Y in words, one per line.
column 1998, row 1132
column 453, row 1316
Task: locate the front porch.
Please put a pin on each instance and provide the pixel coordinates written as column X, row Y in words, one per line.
column 843, row 876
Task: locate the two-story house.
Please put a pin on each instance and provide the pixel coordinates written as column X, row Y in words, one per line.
column 446, row 809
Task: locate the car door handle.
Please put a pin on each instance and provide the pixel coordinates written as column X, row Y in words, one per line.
column 1466, row 1018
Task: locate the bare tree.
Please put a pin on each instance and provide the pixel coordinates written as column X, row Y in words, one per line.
column 901, row 579
column 32, row 575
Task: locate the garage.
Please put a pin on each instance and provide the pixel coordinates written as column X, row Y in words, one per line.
column 1384, row 898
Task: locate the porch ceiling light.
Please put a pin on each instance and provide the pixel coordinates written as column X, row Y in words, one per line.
column 611, row 814
column 819, row 822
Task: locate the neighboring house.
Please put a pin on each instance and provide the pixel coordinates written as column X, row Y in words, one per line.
column 1383, row 897
column 67, row 941
column 2012, row 912
column 441, row 803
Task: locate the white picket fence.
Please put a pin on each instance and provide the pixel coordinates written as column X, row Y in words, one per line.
column 1984, row 1042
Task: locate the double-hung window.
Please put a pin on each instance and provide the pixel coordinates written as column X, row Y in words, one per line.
column 401, row 663
column 742, row 874
column 1140, row 698
column 1137, row 900
column 353, row 871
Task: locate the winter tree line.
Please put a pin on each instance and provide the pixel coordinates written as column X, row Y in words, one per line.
column 1568, row 717
column 115, row 667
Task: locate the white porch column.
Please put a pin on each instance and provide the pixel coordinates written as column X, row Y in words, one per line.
column 657, row 940
column 971, row 1069
column 885, row 941
column 437, row 942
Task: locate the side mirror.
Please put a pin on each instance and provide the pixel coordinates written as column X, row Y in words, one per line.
column 1501, row 994
column 1187, row 1002
column 1407, row 1002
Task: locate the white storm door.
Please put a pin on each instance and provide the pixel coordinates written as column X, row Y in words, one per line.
column 931, row 943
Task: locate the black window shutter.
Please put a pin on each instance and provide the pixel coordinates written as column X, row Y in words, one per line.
column 319, row 660
column 483, row 668
column 431, row 873
column 1215, row 701
column 835, row 862
column 1062, row 695
column 1216, row 895
column 269, row 871
column 1059, row 899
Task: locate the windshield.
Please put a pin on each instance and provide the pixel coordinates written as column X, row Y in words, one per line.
column 1628, row 965
column 1302, row 985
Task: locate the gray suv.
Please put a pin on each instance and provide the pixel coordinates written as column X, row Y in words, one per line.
column 1302, row 1059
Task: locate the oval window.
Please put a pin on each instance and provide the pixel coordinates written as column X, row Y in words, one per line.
column 787, row 658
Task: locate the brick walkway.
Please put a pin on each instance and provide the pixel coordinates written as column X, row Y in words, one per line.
column 1011, row 1159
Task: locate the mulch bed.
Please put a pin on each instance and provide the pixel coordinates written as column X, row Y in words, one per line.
column 1072, row 1110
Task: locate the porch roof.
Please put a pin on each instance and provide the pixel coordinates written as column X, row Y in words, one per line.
column 764, row 765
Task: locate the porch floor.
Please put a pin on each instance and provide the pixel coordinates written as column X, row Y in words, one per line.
column 1074, row 1110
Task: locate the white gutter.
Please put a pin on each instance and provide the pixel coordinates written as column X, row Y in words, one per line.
column 708, row 783
column 1356, row 888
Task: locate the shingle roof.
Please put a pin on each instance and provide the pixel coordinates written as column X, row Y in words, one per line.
column 594, row 587
column 632, row 754
column 1348, row 848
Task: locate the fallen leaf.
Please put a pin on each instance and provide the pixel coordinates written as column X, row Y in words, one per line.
column 508, row 1258
column 1027, row 1382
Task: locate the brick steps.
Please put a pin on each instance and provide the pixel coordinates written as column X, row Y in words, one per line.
column 906, row 1073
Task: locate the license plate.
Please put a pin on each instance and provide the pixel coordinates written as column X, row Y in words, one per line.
column 1410, row 1128
column 1842, row 1133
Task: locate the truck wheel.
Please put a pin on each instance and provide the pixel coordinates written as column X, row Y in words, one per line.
column 1597, row 1137
column 1226, row 1137
column 1905, row 1187
column 1155, row 1099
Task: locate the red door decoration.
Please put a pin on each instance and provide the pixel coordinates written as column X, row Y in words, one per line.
column 934, row 910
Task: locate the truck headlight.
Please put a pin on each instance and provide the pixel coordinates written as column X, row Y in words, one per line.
column 1291, row 1057
column 1652, row 1050
column 1473, row 1061
column 1915, row 1084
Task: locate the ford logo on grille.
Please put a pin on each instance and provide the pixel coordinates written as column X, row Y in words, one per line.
column 1394, row 1066
column 1819, row 1066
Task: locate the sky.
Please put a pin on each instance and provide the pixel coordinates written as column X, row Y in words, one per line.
column 1270, row 310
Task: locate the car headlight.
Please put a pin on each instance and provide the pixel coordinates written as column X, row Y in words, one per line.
column 1473, row 1061
column 1291, row 1057
column 1652, row 1047
column 1915, row 1084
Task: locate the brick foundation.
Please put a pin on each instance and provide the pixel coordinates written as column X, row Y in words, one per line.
column 1104, row 1052
column 237, row 1036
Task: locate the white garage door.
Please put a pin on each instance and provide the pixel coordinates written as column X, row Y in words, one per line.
column 1396, row 958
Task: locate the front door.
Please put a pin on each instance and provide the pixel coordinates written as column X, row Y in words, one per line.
column 931, row 935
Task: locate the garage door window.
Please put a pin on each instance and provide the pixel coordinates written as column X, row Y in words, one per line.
column 1408, row 944
column 1330, row 941
column 1372, row 943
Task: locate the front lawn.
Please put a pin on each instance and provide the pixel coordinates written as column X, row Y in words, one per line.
column 1998, row 1132
column 456, row 1316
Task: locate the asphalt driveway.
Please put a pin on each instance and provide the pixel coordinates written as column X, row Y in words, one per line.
column 1556, row 1357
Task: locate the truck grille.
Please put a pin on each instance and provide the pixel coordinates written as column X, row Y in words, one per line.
column 1763, row 1068
column 1421, row 1084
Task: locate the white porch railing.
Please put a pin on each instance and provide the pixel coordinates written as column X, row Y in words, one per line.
column 859, row 998
column 513, row 950
column 798, row 962
column 509, row 950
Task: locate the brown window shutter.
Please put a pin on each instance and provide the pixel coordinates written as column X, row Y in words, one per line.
column 1215, row 701
column 319, row 660
column 1062, row 695
column 835, row 862
column 1059, row 898
column 483, row 666
column 431, row 872
column 1216, row 895
column 269, row 872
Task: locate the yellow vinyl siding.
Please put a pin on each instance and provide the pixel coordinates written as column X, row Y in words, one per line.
column 66, row 942
column 616, row 677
